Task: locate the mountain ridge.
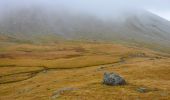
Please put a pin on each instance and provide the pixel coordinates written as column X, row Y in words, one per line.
column 141, row 27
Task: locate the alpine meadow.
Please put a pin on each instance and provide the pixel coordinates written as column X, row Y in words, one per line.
column 84, row 50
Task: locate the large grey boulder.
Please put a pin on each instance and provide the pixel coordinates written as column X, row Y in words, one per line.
column 113, row 79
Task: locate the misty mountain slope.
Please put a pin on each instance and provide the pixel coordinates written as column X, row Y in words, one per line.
column 146, row 27
column 139, row 27
column 150, row 25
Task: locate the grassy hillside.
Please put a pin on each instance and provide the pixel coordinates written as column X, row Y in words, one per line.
column 74, row 70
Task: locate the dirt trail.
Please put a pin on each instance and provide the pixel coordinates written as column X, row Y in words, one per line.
column 31, row 74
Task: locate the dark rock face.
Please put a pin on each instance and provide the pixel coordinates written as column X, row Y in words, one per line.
column 113, row 79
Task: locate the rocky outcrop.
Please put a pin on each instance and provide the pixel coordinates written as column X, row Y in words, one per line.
column 113, row 79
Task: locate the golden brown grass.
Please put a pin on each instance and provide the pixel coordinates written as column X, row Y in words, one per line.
column 35, row 72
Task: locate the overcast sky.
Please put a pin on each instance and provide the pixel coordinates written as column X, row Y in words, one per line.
column 159, row 7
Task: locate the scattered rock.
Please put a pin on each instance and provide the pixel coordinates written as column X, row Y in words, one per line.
column 45, row 71
column 57, row 93
column 142, row 90
column 100, row 68
column 25, row 90
column 138, row 55
column 113, row 79
column 146, row 89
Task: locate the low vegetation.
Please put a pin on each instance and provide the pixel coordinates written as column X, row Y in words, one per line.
column 74, row 70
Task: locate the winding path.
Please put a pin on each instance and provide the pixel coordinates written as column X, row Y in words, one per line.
column 31, row 74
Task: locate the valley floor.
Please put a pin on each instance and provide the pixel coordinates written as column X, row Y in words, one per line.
column 74, row 71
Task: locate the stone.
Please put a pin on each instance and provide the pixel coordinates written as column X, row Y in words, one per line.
column 142, row 90
column 100, row 68
column 113, row 79
column 57, row 93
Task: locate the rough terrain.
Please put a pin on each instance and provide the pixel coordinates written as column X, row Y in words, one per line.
column 74, row 71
